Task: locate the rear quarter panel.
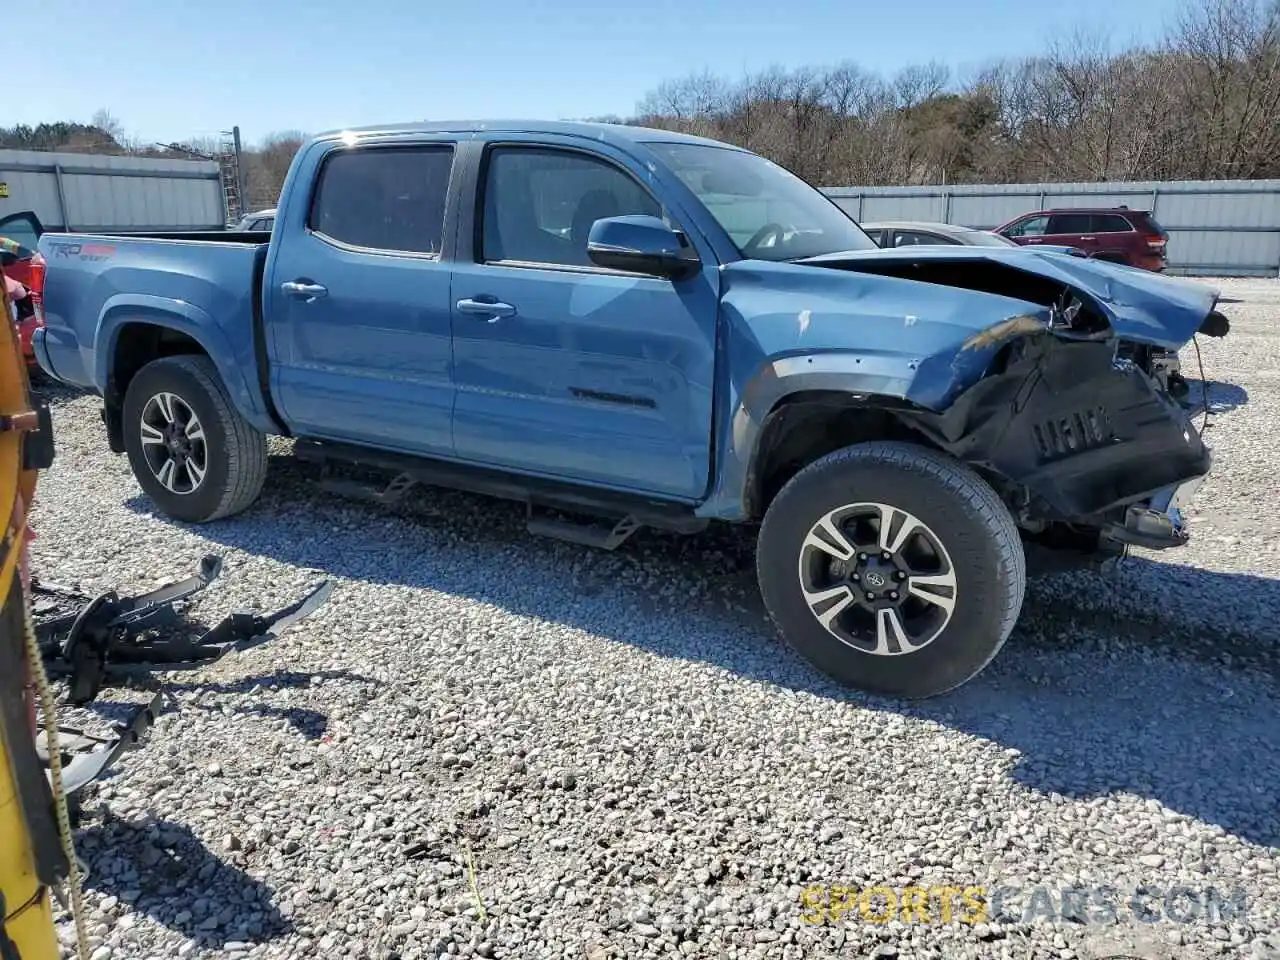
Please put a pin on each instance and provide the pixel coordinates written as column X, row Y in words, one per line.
column 96, row 285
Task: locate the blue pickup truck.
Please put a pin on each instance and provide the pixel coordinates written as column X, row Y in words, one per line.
column 639, row 328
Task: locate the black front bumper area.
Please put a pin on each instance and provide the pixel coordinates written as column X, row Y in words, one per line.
column 1080, row 436
column 1156, row 523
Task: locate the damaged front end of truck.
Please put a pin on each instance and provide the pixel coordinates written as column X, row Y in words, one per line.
column 1082, row 443
column 1068, row 406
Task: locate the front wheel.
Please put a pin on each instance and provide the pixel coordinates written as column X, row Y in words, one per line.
column 892, row 568
column 191, row 451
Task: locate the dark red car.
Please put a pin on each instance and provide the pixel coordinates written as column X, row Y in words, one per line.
column 20, row 261
column 1117, row 234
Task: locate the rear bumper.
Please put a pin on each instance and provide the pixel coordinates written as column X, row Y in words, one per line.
column 40, row 352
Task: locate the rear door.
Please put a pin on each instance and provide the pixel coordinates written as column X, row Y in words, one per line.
column 359, row 299
column 1115, row 237
column 573, row 371
column 1072, row 230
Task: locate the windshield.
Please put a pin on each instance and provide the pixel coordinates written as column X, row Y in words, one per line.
column 981, row 238
column 769, row 212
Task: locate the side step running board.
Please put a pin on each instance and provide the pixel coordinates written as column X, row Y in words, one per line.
column 393, row 492
column 585, row 534
column 603, row 531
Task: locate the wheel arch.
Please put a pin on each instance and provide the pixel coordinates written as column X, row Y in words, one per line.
column 805, row 426
column 134, row 329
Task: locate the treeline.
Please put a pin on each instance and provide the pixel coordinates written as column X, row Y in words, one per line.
column 264, row 165
column 1200, row 102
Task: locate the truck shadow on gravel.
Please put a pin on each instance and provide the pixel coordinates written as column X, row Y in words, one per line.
column 162, row 869
column 1158, row 681
column 1223, row 397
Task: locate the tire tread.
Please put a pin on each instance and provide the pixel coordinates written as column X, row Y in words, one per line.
column 246, row 445
column 962, row 482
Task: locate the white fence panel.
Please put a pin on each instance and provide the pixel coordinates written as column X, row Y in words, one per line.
column 1216, row 227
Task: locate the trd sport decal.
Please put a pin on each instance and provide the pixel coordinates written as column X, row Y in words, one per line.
column 82, row 251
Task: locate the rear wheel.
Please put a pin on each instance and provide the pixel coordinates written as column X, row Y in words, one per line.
column 892, row 568
column 191, row 451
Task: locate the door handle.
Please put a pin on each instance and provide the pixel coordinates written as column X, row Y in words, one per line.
column 1088, row 238
column 492, row 309
column 309, row 291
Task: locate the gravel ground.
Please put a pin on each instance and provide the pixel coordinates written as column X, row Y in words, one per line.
column 634, row 765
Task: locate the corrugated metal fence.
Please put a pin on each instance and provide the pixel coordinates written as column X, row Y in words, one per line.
column 1216, row 227
column 88, row 192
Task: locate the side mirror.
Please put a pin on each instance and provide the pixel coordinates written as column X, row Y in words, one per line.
column 641, row 244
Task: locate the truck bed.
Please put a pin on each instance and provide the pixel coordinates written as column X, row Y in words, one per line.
column 206, row 284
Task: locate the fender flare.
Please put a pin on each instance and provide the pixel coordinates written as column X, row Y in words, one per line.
column 181, row 317
column 862, row 376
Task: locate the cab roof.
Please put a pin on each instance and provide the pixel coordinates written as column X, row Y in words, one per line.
column 617, row 133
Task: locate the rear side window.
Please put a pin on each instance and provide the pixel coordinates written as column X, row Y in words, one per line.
column 384, row 199
column 1146, row 223
column 1063, row 223
column 1110, row 223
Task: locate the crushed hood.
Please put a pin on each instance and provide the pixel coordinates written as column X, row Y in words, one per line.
column 1139, row 305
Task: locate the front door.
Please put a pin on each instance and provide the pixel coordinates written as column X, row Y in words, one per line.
column 360, row 301
column 565, row 369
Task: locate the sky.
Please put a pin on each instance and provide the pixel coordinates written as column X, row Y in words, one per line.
column 176, row 69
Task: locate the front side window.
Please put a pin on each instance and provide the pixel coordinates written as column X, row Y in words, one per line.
column 1034, row 227
column 540, row 204
column 379, row 198
column 768, row 212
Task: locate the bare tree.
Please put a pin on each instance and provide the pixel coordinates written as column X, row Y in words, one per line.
column 1199, row 102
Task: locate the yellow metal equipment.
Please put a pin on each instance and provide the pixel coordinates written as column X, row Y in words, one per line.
column 36, row 853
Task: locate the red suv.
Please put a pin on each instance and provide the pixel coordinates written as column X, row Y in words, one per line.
column 1117, row 234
